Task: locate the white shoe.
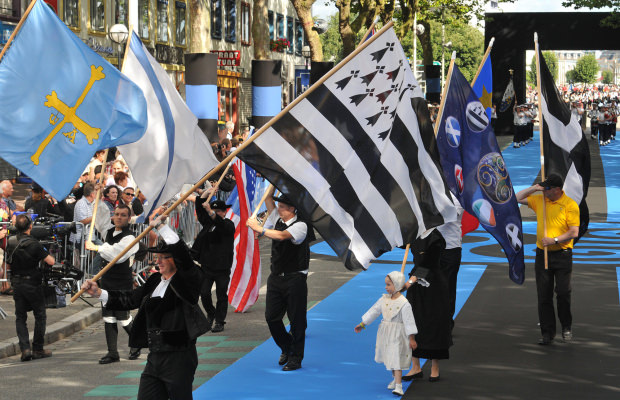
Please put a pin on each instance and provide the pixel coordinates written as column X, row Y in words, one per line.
column 600, row 143
column 398, row 389
column 516, row 145
column 392, row 385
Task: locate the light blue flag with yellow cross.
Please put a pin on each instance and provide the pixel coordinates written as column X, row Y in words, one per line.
column 60, row 102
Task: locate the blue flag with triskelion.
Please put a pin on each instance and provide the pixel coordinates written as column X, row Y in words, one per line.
column 475, row 170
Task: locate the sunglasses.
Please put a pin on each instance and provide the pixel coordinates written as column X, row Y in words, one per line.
column 129, row 194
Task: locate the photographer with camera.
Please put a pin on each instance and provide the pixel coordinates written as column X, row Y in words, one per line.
column 23, row 255
column 119, row 277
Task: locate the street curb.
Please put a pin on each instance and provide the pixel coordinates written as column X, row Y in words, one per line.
column 56, row 331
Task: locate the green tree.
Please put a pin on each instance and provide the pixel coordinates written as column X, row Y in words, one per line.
column 570, row 76
column 552, row 63
column 332, row 41
column 613, row 21
column 586, row 69
column 608, row 77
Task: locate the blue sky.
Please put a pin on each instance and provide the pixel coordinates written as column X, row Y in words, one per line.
column 321, row 10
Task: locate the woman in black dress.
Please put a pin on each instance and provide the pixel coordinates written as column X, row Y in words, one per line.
column 431, row 307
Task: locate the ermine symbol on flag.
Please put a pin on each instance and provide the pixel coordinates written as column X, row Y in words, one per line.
column 458, row 174
column 477, row 117
column 453, row 129
column 514, row 235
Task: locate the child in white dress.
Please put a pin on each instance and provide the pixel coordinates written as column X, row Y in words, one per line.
column 395, row 337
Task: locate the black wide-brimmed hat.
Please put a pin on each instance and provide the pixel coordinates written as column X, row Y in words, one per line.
column 219, row 205
column 283, row 199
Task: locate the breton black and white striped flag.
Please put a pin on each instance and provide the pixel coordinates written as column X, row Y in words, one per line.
column 359, row 158
column 565, row 145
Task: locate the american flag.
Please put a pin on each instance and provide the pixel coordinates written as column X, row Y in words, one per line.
column 245, row 273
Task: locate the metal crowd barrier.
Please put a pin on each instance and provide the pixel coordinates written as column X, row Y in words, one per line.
column 182, row 219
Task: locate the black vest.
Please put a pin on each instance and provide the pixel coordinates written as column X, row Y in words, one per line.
column 289, row 257
column 119, row 276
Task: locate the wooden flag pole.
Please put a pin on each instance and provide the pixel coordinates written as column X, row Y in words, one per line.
column 402, row 268
column 217, row 184
column 246, row 143
column 97, row 197
column 484, row 59
column 443, row 94
column 372, row 26
column 542, row 150
column 262, row 200
column 17, row 28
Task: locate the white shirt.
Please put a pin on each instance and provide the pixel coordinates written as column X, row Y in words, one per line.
column 451, row 231
column 109, row 251
column 297, row 231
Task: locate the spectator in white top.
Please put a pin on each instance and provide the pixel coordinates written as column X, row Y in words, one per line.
column 230, row 127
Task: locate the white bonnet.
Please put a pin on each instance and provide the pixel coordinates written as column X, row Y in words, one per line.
column 398, row 279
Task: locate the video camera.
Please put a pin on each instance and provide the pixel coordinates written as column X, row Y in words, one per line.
column 48, row 228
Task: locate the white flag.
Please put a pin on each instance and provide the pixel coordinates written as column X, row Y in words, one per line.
column 174, row 150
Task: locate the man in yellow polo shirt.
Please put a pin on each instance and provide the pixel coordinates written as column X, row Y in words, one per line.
column 562, row 228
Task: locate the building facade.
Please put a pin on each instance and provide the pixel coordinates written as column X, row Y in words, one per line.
column 163, row 26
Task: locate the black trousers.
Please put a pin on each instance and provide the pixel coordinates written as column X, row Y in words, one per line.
column 558, row 274
column 29, row 296
column 221, row 292
column 168, row 375
column 450, row 263
column 288, row 294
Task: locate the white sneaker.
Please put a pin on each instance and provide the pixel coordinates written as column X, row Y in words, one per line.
column 398, row 389
column 516, row 145
column 600, row 143
column 392, row 385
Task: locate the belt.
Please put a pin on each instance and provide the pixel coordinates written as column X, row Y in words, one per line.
column 289, row 273
column 22, row 276
column 157, row 343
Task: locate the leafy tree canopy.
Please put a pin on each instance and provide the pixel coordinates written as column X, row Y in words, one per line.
column 586, row 69
column 612, row 21
column 608, row 77
column 552, row 63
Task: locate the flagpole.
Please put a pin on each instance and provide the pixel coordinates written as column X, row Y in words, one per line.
column 402, row 268
column 484, row 59
column 97, row 197
column 443, row 94
column 240, row 148
column 217, row 184
column 542, row 150
column 126, row 48
column 372, row 26
column 17, row 28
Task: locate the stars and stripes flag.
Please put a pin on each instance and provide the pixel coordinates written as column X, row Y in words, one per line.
column 475, row 170
column 564, row 145
column 358, row 156
column 245, row 273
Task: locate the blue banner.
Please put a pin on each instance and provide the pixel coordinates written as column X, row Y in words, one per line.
column 61, row 102
column 483, row 86
column 475, row 170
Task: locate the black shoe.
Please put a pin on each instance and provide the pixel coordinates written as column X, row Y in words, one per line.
column 108, row 359
column 37, row 354
column 292, row 365
column 218, row 327
column 545, row 340
column 283, row 359
column 134, row 354
column 26, row 355
column 434, row 378
column 412, row 377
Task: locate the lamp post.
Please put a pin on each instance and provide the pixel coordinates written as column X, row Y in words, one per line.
column 306, row 53
column 118, row 34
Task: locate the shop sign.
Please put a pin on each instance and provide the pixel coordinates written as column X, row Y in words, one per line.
column 5, row 32
column 228, row 58
column 168, row 54
column 92, row 43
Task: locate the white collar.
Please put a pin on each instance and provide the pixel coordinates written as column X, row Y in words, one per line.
column 290, row 221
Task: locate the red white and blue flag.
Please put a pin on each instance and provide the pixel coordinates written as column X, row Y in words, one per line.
column 245, row 274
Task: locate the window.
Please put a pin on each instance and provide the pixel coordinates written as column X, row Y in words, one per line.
column 120, row 12
column 162, row 21
column 299, row 38
column 290, row 34
column 97, row 15
column 231, row 21
column 272, row 30
column 279, row 26
column 246, row 25
column 216, row 19
column 180, row 18
column 72, row 14
column 6, row 8
column 144, row 16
